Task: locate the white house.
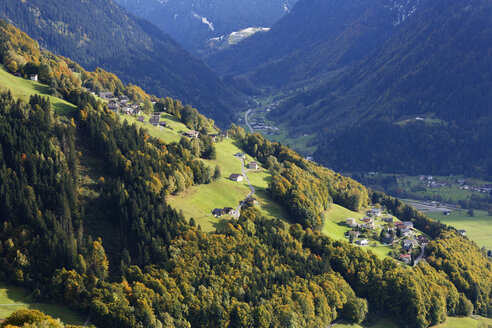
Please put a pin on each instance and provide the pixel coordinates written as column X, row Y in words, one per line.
column 362, row 242
column 236, row 177
column 33, row 77
column 253, row 166
column 351, row 222
column 376, row 211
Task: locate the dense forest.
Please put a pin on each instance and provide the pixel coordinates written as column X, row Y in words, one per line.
column 413, row 148
column 159, row 270
column 102, row 34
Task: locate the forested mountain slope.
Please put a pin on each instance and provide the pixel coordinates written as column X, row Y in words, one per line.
column 102, row 34
column 62, row 175
column 193, row 23
column 315, row 38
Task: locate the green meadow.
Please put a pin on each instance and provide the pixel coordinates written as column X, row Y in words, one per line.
column 23, row 88
column 451, row 322
column 478, row 227
column 171, row 133
column 14, row 298
column 199, row 201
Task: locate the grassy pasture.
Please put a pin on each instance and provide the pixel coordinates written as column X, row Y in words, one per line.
column 478, row 227
column 23, row 88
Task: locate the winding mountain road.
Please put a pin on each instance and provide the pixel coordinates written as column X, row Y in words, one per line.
column 247, row 121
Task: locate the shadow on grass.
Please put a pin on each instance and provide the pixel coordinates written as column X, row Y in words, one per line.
column 18, row 298
column 220, row 225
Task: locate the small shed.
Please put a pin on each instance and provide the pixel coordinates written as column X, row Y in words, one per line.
column 362, row 242
column 236, row 177
column 253, row 166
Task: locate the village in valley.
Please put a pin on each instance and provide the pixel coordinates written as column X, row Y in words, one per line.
column 406, row 243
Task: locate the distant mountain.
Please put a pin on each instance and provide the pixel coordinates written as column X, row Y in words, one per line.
column 197, row 24
column 316, row 38
column 101, row 33
column 361, row 61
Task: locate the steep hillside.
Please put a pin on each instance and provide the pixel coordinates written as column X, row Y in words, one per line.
column 102, row 34
column 195, row 23
column 86, row 221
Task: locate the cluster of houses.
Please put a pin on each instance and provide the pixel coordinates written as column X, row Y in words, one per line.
column 120, row 103
column 392, row 230
column 408, row 245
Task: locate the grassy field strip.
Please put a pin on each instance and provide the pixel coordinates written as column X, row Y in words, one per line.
column 451, row 322
column 23, row 88
column 14, row 298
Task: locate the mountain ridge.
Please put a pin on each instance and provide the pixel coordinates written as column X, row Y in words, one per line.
column 101, row 33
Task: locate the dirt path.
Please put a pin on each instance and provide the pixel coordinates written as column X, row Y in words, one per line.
column 251, row 187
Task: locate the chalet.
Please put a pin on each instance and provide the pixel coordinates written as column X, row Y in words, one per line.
column 362, row 242
column 388, row 239
column 367, row 219
column 224, row 134
column 354, row 234
column 406, row 258
column 136, row 110
column 163, row 123
column 17, row 74
column 446, row 213
column 191, row 134
column 217, row 212
column 462, row 232
column 253, row 166
column 106, row 95
column 376, row 211
column 113, row 105
column 126, row 110
column 123, row 99
column 251, row 200
column 407, row 233
column 213, row 137
column 154, row 120
column 351, row 222
column 236, row 177
column 33, row 77
column 369, row 225
column 400, row 225
column 141, row 119
column 408, row 245
column 388, row 219
column 422, row 240
column 408, row 224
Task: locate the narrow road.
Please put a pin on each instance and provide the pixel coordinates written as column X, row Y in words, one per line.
column 247, row 121
column 86, row 322
column 418, row 259
column 251, row 187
